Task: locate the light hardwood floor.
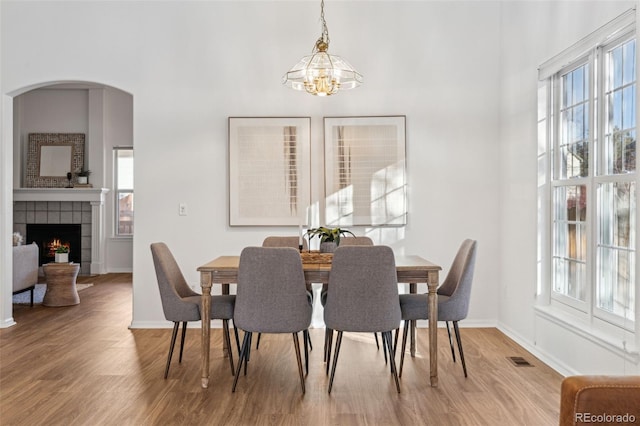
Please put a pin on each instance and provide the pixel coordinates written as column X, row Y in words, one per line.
column 81, row 365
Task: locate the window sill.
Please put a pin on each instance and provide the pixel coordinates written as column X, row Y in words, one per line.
column 623, row 346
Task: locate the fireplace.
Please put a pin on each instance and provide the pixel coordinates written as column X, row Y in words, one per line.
column 49, row 237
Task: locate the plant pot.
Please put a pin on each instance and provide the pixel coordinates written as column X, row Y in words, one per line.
column 328, row 247
column 83, row 180
column 62, row 257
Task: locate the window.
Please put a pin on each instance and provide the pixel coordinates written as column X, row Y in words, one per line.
column 123, row 160
column 587, row 176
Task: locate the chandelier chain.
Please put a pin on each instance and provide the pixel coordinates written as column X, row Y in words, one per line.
column 324, row 37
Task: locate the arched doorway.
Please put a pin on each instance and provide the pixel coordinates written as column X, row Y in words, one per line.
column 101, row 112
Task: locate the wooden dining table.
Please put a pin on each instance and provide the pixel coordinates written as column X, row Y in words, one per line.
column 411, row 269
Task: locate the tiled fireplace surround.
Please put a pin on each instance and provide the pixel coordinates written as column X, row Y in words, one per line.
column 76, row 206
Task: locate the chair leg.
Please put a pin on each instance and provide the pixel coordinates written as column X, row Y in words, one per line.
column 247, row 356
column 305, row 337
column 309, row 340
column 395, row 343
column 404, row 345
column 32, row 296
column 384, row 349
column 258, row 341
column 296, row 344
column 241, row 358
column 457, row 331
column 386, row 338
column 184, row 334
column 176, row 324
column 227, row 340
column 453, row 353
column 335, row 360
column 377, row 344
column 329, row 344
column 235, row 332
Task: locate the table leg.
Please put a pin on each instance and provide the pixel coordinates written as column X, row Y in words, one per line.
column 413, row 288
column 205, row 283
column 433, row 329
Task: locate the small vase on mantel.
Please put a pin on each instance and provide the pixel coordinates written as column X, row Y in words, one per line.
column 328, row 247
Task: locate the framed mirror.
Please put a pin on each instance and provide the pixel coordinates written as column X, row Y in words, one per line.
column 51, row 156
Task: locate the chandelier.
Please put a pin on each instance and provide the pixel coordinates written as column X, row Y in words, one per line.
column 320, row 73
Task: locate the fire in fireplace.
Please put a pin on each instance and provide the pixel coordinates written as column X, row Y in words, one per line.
column 49, row 237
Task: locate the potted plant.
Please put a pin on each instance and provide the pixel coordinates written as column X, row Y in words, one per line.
column 62, row 254
column 83, row 176
column 329, row 237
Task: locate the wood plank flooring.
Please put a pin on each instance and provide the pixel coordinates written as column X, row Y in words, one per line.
column 81, row 365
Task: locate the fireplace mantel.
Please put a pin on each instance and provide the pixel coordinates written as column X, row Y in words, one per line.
column 60, row 194
column 95, row 197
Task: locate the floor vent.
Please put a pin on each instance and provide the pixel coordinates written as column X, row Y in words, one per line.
column 519, row 361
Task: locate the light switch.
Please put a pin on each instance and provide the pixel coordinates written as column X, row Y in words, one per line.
column 182, row 209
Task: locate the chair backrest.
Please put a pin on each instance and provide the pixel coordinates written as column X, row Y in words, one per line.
column 457, row 284
column 355, row 241
column 271, row 295
column 363, row 290
column 293, row 242
column 172, row 285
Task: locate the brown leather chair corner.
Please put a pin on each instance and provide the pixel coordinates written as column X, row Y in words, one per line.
column 602, row 400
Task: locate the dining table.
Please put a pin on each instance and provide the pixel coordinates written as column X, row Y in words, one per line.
column 411, row 269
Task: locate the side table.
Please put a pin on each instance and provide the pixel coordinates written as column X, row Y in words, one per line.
column 61, row 284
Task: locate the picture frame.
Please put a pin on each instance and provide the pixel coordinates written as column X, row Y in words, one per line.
column 269, row 171
column 365, row 171
column 50, row 156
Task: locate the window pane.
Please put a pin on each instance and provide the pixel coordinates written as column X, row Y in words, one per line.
column 620, row 137
column 125, row 213
column 124, row 157
column 574, row 125
column 569, row 257
column 615, row 290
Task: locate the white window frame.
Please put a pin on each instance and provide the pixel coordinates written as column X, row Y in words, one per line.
column 589, row 50
column 117, row 191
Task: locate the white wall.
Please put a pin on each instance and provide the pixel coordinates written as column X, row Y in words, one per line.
column 533, row 32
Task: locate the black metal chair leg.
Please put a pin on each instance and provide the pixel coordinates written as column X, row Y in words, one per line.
column 395, row 343
column 309, row 340
column 377, row 344
column 457, row 331
column 247, row 356
column 235, row 332
column 241, row 357
column 171, row 346
column 184, row 334
column 296, row 344
column 335, row 360
column 329, row 344
column 387, row 338
column 227, row 340
column 404, row 345
column 384, row 349
column 258, row 340
column 32, row 296
column 453, row 353
column 305, row 338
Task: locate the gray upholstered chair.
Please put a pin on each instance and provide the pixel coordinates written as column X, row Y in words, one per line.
column 363, row 297
column 181, row 304
column 344, row 242
column 293, row 242
column 453, row 299
column 271, row 297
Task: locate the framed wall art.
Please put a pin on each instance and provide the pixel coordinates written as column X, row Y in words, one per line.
column 365, row 171
column 269, row 170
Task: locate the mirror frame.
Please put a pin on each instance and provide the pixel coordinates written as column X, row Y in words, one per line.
column 34, row 158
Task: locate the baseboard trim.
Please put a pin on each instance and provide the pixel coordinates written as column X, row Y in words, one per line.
column 9, row 322
column 169, row 324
